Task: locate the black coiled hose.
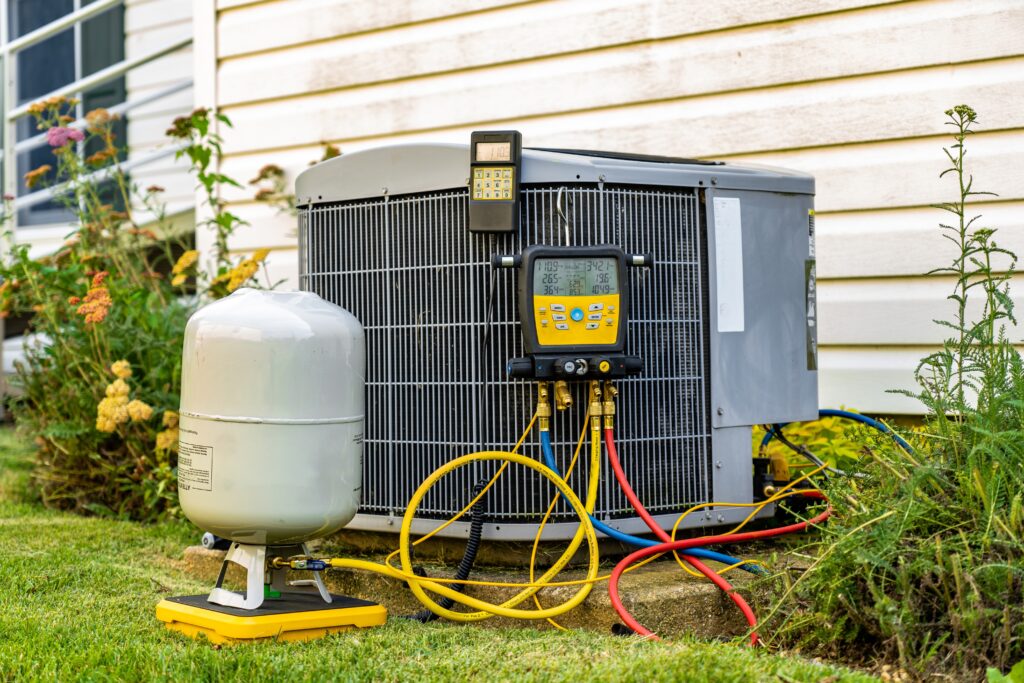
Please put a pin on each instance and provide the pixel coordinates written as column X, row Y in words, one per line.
column 476, row 528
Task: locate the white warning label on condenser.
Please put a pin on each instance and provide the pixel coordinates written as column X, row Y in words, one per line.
column 729, row 264
column 195, row 467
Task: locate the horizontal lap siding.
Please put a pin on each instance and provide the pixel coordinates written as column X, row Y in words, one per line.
column 150, row 25
column 851, row 91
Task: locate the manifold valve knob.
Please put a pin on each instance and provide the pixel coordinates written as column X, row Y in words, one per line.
column 569, row 367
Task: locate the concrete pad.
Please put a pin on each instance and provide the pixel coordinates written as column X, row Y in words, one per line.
column 660, row 595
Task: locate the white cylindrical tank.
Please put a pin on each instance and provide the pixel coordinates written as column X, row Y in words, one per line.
column 271, row 425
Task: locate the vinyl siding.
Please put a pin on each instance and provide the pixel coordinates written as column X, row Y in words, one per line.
column 150, row 25
column 851, row 91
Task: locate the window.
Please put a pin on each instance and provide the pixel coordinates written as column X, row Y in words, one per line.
column 62, row 59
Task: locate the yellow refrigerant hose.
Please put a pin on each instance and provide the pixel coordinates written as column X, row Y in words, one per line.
column 422, row 585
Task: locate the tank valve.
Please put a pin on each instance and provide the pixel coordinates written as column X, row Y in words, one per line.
column 563, row 398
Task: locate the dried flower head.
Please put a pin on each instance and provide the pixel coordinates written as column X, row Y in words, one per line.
column 181, row 127
column 101, row 157
column 170, row 418
column 330, row 151
column 268, row 172
column 99, row 118
column 33, row 177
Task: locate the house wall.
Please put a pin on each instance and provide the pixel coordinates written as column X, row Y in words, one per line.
column 150, row 25
column 852, row 91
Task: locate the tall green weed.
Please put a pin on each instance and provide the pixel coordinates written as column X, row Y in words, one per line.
column 923, row 559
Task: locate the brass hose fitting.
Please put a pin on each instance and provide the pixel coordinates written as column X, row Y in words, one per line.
column 543, row 407
column 563, row 398
column 609, row 394
column 594, row 393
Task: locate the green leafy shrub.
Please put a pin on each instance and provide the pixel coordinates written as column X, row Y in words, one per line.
column 100, row 383
column 923, row 559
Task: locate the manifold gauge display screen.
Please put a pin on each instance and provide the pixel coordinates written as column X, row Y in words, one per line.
column 575, row 276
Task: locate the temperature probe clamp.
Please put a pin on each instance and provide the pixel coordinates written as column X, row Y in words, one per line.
column 573, row 307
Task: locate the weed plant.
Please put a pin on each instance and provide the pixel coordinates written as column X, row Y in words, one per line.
column 923, row 559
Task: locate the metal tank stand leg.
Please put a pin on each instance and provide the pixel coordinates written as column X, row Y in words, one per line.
column 254, row 559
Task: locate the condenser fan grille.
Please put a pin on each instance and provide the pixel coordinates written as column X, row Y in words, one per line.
column 419, row 282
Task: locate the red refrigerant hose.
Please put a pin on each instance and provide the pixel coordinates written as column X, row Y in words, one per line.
column 669, row 545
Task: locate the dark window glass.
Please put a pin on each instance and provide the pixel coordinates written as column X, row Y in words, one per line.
column 49, row 65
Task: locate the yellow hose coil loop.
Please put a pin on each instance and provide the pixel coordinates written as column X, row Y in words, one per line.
column 420, row 585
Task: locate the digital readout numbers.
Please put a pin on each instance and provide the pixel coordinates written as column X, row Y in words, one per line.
column 575, row 277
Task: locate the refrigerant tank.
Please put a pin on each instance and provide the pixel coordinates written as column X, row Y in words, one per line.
column 271, row 419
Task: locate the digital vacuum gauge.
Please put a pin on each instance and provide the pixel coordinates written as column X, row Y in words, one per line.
column 574, row 306
column 494, row 180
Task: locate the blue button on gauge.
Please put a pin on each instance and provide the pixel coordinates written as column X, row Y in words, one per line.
column 577, row 314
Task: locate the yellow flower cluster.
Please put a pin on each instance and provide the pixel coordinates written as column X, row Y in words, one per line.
column 168, row 439
column 54, row 103
column 115, row 408
column 122, row 369
column 186, row 261
column 240, row 274
column 139, row 411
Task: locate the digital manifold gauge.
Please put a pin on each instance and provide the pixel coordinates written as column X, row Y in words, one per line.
column 573, row 306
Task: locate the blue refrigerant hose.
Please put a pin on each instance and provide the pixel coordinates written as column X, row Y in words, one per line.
column 549, row 460
column 863, row 419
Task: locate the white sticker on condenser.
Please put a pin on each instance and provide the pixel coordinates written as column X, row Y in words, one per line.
column 195, row 467
column 728, row 264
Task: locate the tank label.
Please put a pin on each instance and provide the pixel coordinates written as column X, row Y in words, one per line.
column 195, row 467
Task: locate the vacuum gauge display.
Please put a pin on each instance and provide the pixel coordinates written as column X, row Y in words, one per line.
column 494, row 165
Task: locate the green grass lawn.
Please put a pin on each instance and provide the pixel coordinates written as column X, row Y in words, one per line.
column 77, row 597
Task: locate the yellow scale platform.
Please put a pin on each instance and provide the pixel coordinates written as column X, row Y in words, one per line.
column 293, row 616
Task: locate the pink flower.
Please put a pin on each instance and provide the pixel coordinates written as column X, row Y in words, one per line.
column 58, row 136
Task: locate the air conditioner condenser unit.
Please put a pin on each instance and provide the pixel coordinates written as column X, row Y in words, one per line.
column 723, row 322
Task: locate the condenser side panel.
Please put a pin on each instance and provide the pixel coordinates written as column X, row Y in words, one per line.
column 763, row 311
